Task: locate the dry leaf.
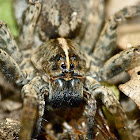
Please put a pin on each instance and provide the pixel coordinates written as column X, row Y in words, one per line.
column 132, row 87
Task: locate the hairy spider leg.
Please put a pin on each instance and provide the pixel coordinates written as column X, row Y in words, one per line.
column 92, row 30
column 10, row 68
column 11, row 65
column 119, row 63
column 107, row 39
column 110, row 101
column 29, row 20
column 8, row 44
column 90, row 114
column 14, row 67
column 33, row 108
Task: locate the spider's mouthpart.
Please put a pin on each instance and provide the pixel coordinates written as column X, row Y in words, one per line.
column 67, row 76
column 66, row 93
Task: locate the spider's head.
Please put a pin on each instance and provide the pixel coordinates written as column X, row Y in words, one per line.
column 63, row 62
column 66, row 82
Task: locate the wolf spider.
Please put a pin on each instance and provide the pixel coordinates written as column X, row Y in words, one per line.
column 71, row 60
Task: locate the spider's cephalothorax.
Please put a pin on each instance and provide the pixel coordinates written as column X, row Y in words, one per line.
column 64, row 65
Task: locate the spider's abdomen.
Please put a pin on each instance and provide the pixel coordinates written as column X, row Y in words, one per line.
column 61, row 18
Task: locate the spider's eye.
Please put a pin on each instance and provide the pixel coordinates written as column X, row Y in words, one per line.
column 58, row 57
column 71, row 65
column 63, row 66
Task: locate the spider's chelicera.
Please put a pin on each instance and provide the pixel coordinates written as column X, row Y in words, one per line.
column 64, row 93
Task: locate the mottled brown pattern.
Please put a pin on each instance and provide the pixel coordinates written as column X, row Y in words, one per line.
column 60, row 26
column 59, row 72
